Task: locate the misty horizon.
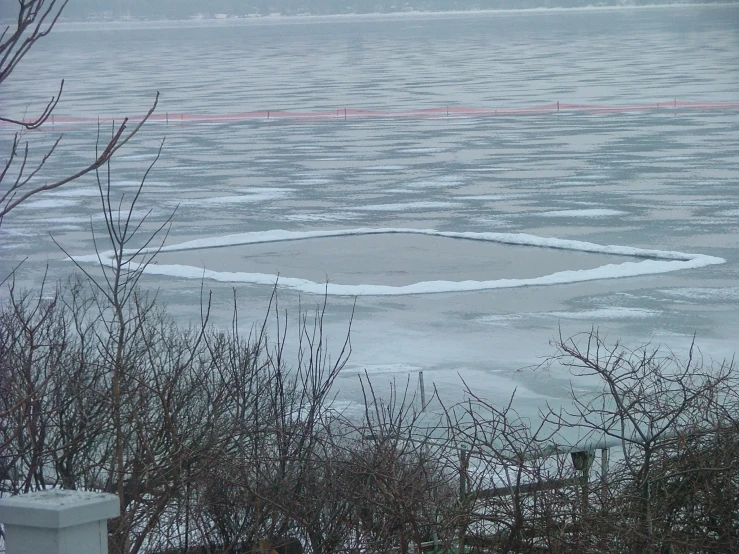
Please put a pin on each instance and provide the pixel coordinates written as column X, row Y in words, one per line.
column 78, row 10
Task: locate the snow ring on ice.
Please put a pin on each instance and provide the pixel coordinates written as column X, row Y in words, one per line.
column 652, row 262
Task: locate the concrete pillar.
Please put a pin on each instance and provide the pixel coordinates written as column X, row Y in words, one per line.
column 58, row 522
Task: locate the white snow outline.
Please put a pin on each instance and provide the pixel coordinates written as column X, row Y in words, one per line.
column 656, row 262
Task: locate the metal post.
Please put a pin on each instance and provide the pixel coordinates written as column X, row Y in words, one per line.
column 463, row 473
column 423, row 391
column 463, row 461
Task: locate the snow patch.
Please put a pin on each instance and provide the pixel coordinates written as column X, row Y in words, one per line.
column 76, row 193
column 595, row 212
column 311, row 181
column 8, row 231
column 407, row 206
column 250, row 195
column 704, row 293
column 605, row 314
column 487, row 169
column 70, row 219
column 137, row 183
column 47, row 204
column 149, row 156
column 503, row 320
column 488, row 197
column 385, row 167
column 430, row 150
column 377, row 369
column 436, row 182
column 321, row 216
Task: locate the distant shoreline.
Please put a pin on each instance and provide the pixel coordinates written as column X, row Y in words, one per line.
column 224, row 19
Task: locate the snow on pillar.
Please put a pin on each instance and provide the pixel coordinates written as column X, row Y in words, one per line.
column 58, row 522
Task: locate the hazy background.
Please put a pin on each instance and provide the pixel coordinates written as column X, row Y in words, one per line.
column 183, row 9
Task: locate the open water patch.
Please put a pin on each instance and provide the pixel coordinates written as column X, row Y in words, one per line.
column 406, row 282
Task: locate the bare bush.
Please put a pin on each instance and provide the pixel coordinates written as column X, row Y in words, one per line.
column 221, row 445
column 206, row 437
column 400, row 481
column 673, row 420
column 520, row 497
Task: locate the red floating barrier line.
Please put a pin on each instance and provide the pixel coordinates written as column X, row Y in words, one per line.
column 420, row 113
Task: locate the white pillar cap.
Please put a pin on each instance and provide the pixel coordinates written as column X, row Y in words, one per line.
column 57, row 508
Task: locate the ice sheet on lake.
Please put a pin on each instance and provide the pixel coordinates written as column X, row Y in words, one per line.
column 487, row 169
column 321, row 216
column 248, row 196
column 137, row 183
column 76, row 192
column 404, row 369
column 68, row 219
column 49, row 203
column 500, row 320
column 653, row 262
column 406, row 206
column 599, row 314
column 606, row 314
column 385, row 167
column 595, row 212
column 8, row 231
column 489, row 197
column 132, row 157
column 313, row 181
column 443, row 181
column 704, row 293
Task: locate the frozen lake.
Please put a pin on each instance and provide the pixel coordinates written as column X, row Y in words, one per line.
column 660, row 179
